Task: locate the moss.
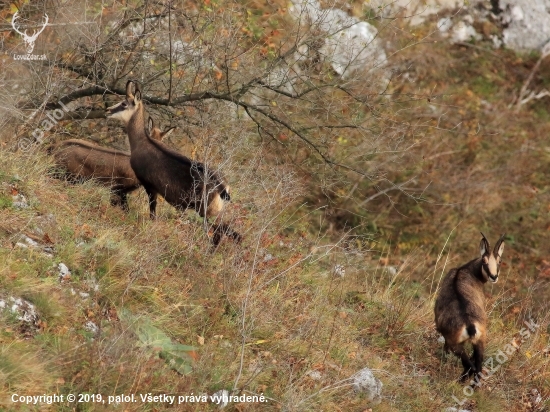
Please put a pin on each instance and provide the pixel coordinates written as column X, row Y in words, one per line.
column 5, row 201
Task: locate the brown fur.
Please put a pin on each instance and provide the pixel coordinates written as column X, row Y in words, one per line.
column 183, row 183
column 81, row 160
column 460, row 314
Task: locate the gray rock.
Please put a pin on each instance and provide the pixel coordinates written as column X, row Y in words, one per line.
column 91, row 327
column 528, row 23
column 64, row 272
column 221, row 398
column 351, row 45
column 364, row 382
column 418, row 10
column 339, row 270
column 23, row 310
column 19, row 201
column 462, row 32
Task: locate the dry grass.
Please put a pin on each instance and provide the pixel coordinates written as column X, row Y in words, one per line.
column 263, row 316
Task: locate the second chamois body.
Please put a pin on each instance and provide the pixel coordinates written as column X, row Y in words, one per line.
column 81, row 160
column 460, row 314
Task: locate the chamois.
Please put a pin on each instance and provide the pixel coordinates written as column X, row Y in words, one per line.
column 82, row 161
column 155, row 133
column 183, row 183
column 460, row 306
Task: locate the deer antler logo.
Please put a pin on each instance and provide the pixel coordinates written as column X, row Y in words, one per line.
column 29, row 40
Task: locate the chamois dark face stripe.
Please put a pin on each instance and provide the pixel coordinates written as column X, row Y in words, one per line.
column 487, row 271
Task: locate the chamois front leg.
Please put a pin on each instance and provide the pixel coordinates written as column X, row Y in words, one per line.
column 152, row 195
column 124, row 201
column 119, row 198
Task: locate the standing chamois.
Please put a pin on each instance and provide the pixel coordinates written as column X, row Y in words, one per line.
column 82, row 161
column 460, row 306
column 183, row 183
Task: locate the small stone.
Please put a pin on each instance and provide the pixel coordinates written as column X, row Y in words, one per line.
column 463, row 32
column 444, row 25
column 64, row 272
column 30, row 242
column 366, row 383
column 315, row 375
column 339, row 270
column 221, row 398
column 91, row 327
column 19, row 201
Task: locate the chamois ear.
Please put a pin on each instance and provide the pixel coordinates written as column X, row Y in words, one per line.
column 484, row 245
column 499, row 247
column 138, row 87
column 129, row 84
column 166, row 132
column 150, row 125
column 137, row 96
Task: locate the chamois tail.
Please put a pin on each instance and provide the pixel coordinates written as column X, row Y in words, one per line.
column 224, row 194
column 471, row 329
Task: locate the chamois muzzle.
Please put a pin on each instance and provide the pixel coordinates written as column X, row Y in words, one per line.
column 119, row 107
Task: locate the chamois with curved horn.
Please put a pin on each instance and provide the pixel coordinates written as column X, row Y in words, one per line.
column 460, row 314
column 82, row 160
column 183, row 183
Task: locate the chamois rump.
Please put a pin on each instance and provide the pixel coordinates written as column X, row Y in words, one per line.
column 460, row 314
column 81, row 160
column 183, row 183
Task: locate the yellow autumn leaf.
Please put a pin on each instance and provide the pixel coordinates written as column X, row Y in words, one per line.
column 258, row 342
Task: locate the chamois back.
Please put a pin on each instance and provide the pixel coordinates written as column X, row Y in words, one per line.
column 81, row 160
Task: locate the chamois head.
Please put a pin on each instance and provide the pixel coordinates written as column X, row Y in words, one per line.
column 130, row 105
column 490, row 261
column 155, row 133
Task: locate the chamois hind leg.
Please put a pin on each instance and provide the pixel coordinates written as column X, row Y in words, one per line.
column 479, row 348
column 467, row 364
